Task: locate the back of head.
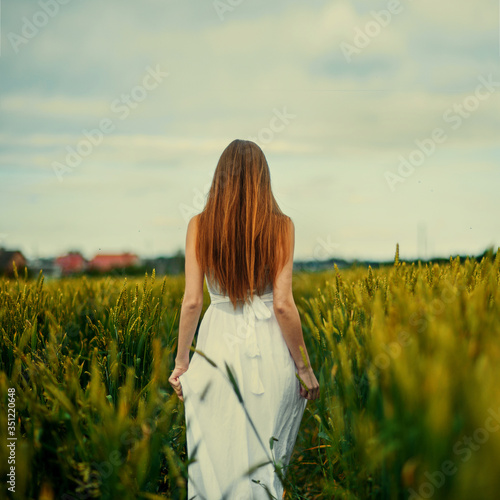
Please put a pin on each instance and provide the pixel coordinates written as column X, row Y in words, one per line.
column 242, row 233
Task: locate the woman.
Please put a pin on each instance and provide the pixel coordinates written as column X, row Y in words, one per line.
column 243, row 401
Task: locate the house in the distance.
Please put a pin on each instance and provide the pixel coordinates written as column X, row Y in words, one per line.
column 103, row 262
column 72, row 262
column 7, row 258
column 46, row 265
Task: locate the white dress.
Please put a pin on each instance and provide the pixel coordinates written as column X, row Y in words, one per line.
column 219, row 434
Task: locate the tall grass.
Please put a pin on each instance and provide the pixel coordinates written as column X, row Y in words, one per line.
column 408, row 365
column 89, row 360
column 407, row 357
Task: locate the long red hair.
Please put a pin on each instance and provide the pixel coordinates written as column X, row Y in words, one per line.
column 243, row 235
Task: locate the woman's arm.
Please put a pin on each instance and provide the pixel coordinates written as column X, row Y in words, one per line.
column 288, row 319
column 192, row 302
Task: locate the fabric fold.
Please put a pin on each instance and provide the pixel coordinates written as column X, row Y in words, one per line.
column 253, row 310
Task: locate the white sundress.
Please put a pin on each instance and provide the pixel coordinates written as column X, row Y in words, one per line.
column 218, row 432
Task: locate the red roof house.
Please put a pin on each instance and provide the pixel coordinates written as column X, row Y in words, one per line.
column 104, row 262
column 73, row 262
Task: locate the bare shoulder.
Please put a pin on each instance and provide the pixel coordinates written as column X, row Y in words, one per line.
column 192, row 232
column 193, row 223
column 282, row 286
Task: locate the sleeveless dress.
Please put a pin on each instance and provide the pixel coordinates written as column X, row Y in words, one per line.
column 229, row 457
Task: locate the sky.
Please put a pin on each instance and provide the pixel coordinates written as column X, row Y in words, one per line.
column 379, row 121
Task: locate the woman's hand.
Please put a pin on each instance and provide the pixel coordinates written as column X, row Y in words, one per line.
column 307, row 375
column 174, row 380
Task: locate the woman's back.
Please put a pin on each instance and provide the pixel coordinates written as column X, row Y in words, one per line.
column 250, row 341
column 240, row 388
column 215, row 290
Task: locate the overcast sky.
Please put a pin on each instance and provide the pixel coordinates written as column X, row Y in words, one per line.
column 380, row 124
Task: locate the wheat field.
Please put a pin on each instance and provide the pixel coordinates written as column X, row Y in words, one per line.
column 407, row 357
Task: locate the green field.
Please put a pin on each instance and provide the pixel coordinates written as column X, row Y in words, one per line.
column 407, row 357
